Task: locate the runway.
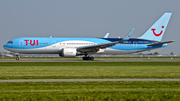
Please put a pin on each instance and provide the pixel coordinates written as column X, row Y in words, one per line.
column 82, row 80
column 90, row 61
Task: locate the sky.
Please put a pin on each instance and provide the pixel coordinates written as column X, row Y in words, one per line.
column 87, row 18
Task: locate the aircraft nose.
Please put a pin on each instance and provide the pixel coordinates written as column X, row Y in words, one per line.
column 5, row 46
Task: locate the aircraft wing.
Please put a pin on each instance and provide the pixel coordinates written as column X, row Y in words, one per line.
column 106, row 36
column 95, row 48
column 129, row 34
column 160, row 43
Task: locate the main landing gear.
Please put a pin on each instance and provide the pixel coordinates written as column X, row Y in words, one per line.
column 88, row 58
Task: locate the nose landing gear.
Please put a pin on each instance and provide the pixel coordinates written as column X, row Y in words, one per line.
column 17, row 57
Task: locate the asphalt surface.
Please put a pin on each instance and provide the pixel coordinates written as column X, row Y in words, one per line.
column 82, row 80
column 90, row 61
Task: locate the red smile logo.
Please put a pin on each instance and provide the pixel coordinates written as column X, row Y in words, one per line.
column 153, row 29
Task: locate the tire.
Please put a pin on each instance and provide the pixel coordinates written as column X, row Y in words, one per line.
column 91, row 58
column 17, row 58
column 85, row 58
column 88, row 58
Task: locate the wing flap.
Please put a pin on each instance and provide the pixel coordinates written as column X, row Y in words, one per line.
column 95, row 48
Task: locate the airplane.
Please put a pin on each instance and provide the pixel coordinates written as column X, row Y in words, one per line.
column 72, row 47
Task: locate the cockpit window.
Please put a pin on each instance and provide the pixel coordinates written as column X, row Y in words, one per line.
column 10, row 42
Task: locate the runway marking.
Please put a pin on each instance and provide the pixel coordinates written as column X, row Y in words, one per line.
column 82, row 80
column 90, row 61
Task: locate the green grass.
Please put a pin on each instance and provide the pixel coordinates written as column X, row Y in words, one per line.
column 67, row 70
column 89, row 63
column 88, row 91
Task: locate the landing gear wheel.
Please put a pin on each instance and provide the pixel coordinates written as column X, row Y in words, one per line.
column 85, row 58
column 88, row 58
column 91, row 58
column 17, row 58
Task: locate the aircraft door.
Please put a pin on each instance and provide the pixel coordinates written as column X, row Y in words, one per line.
column 53, row 43
column 21, row 43
column 134, row 44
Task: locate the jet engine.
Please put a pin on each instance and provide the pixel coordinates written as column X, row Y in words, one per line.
column 68, row 52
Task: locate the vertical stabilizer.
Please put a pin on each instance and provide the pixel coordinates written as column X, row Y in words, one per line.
column 156, row 31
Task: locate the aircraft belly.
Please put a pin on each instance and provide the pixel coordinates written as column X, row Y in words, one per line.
column 118, row 52
column 37, row 51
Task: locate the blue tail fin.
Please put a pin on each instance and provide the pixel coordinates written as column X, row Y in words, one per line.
column 156, row 31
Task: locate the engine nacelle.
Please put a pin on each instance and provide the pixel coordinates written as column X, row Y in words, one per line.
column 68, row 52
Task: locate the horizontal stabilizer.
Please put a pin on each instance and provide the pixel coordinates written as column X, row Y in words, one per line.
column 160, row 43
